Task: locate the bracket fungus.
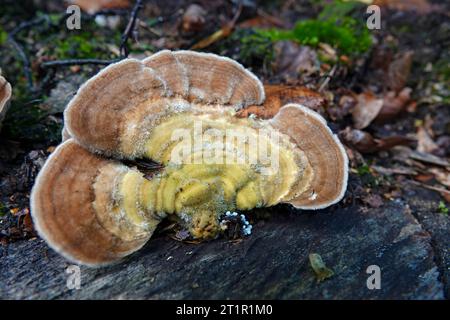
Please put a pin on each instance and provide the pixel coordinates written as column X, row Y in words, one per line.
column 178, row 109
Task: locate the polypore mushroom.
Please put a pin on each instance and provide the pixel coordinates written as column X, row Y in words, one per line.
column 177, row 109
column 79, row 204
column 5, row 95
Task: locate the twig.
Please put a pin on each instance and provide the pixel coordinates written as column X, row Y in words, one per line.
column 110, row 12
column 20, row 50
column 223, row 32
column 441, row 190
column 72, row 62
column 129, row 29
column 237, row 14
column 328, row 78
column 25, row 61
column 28, row 24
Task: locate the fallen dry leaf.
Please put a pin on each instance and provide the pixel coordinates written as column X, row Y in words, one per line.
column 343, row 108
column 93, row 6
column 223, row 32
column 292, row 60
column 193, row 18
column 399, row 70
column 367, row 108
column 441, row 175
column 216, row 36
column 429, row 158
column 279, row 95
column 373, row 200
column 14, row 211
column 321, row 271
column 424, row 141
column 395, row 170
column 424, row 177
column 445, row 193
column 262, row 20
column 419, row 6
column 355, row 157
column 364, row 142
column 27, row 223
column 393, row 105
column 444, row 146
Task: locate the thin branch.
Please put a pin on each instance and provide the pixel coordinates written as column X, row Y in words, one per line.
column 129, row 29
column 427, row 186
column 110, row 12
column 28, row 24
column 25, row 61
column 72, row 62
column 21, row 51
column 328, row 78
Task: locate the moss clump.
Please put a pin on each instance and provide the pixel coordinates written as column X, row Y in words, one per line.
column 367, row 177
column 3, row 35
column 363, row 170
column 443, row 208
column 250, row 47
column 256, row 47
column 333, row 26
column 26, row 122
column 89, row 42
column 3, row 210
column 80, row 45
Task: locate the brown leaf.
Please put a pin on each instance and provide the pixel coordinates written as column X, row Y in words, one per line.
column 441, row 175
column 223, row 32
column 373, row 200
column 367, row 108
column 364, row 142
column 444, row 146
column 424, row 177
column 446, row 196
column 424, row 142
column 292, row 60
column 390, row 142
column 27, row 223
column 395, row 170
column 343, row 108
column 360, row 140
column 193, row 18
column 419, row 6
column 429, row 158
column 399, row 70
column 443, row 191
column 93, row 6
column 262, row 20
column 279, row 95
column 393, row 105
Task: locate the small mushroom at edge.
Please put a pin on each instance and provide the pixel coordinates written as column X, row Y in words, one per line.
column 5, row 95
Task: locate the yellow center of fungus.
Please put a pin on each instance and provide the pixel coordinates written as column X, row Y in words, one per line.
column 214, row 163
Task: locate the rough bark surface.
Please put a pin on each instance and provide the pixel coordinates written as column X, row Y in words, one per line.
column 271, row 263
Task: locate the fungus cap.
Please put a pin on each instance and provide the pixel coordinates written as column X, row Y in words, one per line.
column 325, row 153
column 94, row 209
column 69, row 210
column 114, row 107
